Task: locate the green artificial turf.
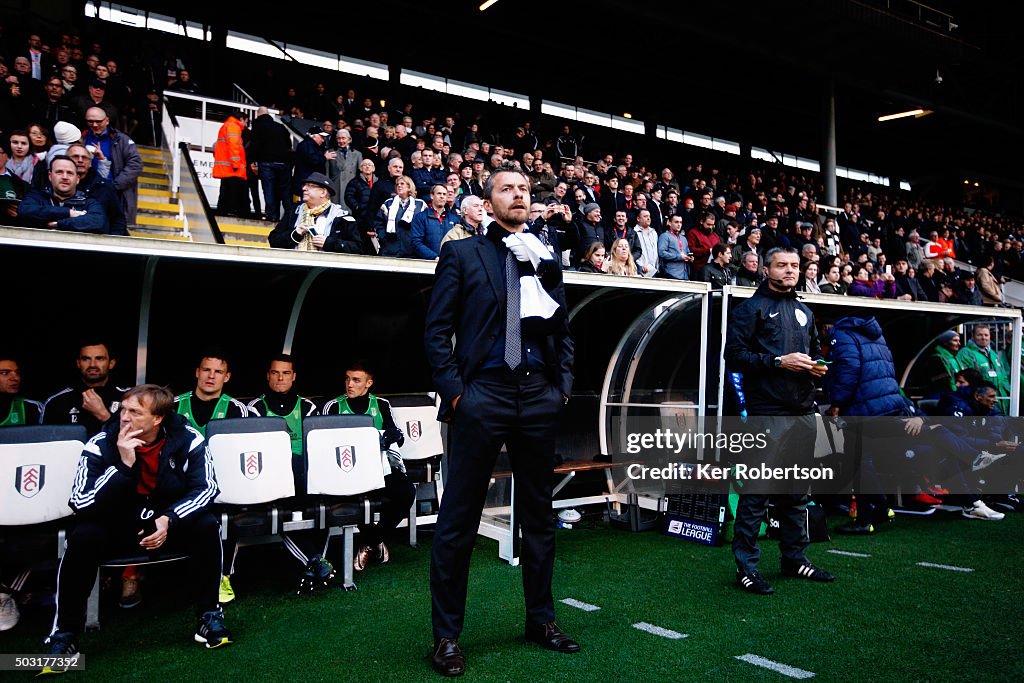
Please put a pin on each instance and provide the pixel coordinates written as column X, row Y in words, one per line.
column 884, row 619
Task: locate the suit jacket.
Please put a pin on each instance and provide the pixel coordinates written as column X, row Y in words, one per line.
column 468, row 302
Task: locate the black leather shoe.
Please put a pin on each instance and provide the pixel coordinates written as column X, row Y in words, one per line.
column 448, row 659
column 551, row 637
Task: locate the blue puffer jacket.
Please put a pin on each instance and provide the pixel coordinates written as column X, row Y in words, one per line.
column 979, row 427
column 862, row 379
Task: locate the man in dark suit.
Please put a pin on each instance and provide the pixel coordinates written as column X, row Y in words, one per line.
column 504, row 383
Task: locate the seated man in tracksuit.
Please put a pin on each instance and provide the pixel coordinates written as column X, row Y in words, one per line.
column 144, row 485
column 209, row 402
column 280, row 400
column 398, row 491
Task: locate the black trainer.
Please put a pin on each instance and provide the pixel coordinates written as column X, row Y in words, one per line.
column 211, row 630
column 805, row 570
column 753, row 583
column 60, row 644
column 318, row 574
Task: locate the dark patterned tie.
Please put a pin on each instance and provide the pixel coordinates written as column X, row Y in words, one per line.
column 513, row 333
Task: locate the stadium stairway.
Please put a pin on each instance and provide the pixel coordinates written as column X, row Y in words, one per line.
column 244, row 232
column 158, row 215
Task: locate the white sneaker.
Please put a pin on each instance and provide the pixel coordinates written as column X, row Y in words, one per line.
column 9, row 614
column 978, row 510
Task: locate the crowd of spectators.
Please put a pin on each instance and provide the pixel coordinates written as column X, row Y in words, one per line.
column 58, row 90
column 669, row 216
column 588, row 204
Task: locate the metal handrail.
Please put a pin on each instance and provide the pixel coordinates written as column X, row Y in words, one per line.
column 242, row 96
column 183, row 151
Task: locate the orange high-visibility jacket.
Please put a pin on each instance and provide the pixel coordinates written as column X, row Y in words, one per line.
column 228, row 153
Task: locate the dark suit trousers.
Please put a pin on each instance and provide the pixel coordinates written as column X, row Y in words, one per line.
column 523, row 414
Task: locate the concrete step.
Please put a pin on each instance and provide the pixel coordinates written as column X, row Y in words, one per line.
column 157, row 232
column 145, row 219
column 157, row 206
column 154, row 179
column 153, row 192
column 246, row 242
column 235, row 229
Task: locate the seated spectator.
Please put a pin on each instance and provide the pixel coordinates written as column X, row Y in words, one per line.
column 883, row 287
column 621, row 260
column 808, row 277
column 832, row 284
column 718, row 271
column 398, row 492
column 393, row 222
column 427, row 176
column 749, row 243
column 593, row 259
column 470, row 223
column 21, row 161
column 928, row 281
column 430, row 226
column 95, row 186
column 967, row 291
column 12, row 188
column 53, row 107
column 121, row 502
column 749, row 273
column 62, row 206
column 317, row 224
column 94, row 97
column 41, row 137
column 907, row 287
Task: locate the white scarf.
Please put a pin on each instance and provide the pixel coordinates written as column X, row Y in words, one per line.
column 534, row 301
column 395, row 207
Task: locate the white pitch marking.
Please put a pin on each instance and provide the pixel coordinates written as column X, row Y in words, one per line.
column 945, row 566
column 658, row 631
column 783, row 669
column 585, row 606
column 847, row 553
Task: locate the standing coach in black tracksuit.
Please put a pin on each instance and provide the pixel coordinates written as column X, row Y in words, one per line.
column 504, row 383
column 773, row 342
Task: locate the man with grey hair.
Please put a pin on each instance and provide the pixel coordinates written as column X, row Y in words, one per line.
column 344, row 166
column 471, row 223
